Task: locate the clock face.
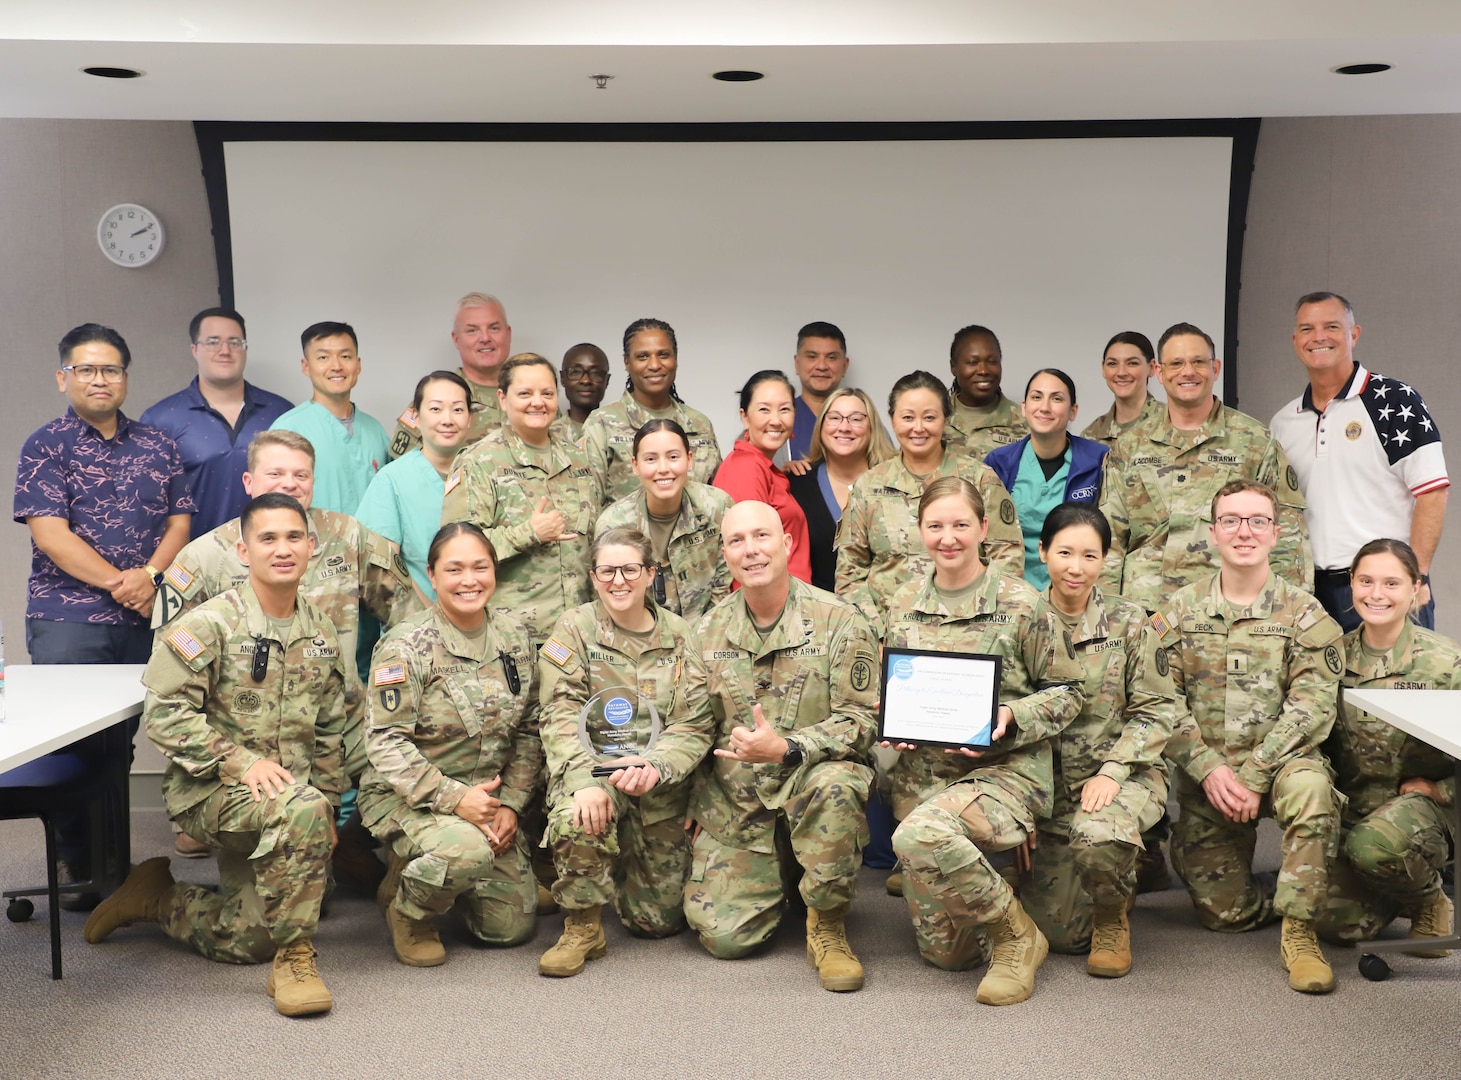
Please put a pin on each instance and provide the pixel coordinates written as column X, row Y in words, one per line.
column 130, row 235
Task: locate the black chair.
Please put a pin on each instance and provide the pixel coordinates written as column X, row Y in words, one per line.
column 39, row 789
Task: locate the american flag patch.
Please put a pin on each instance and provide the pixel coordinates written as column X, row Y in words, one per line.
column 186, row 645
column 1160, row 624
column 388, row 673
column 179, row 578
column 556, row 651
column 409, row 418
column 453, row 480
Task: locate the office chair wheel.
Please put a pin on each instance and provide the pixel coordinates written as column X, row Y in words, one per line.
column 1373, row 968
column 19, row 909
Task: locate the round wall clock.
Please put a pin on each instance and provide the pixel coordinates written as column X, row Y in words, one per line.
column 130, row 235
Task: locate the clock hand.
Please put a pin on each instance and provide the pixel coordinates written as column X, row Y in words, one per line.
column 140, row 231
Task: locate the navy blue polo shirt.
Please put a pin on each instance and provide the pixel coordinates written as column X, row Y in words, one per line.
column 215, row 455
column 117, row 495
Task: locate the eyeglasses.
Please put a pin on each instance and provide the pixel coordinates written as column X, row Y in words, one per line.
column 630, row 571
column 1178, row 365
column 1258, row 524
column 855, row 420
column 213, row 344
column 89, row 372
column 585, row 374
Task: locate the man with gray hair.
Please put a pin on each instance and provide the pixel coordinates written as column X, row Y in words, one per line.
column 1367, row 453
column 483, row 339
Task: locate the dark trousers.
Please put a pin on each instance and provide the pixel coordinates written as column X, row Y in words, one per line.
column 1331, row 588
column 85, row 643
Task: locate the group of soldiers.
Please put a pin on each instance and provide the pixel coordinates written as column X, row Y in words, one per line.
column 461, row 741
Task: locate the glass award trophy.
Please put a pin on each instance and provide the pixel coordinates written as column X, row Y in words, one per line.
column 617, row 723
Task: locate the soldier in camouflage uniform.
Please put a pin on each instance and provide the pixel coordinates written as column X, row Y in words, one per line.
column 622, row 652
column 957, row 808
column 982, row 416
column 651, row 356
column 1258, row 662
column 1161, row 477
column 692, row 576
column 483, row 339
column 1110, row 782
column 533, row 494
column 454, row 758
column 1127, row 365
column 244, row 699
column 1398, row 828
column 878, row 547
column 782, row 683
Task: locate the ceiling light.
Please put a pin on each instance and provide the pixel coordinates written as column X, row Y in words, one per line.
column 738, row 76
column 1361, row 69
column 113, row 72
column 601, row 81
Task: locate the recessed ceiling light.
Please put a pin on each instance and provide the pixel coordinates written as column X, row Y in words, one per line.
column 1361, row 69
column 738, row 76
column 113, row 72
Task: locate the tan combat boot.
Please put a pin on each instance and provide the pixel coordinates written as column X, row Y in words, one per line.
column 138, row 899
column 416, row 941
column 894, row 883
column 829, row 952
column 1432, row 920
column 1110, row 956
column 1309, row 972
column 582, row 940
column 1018, row 950
column 295, row 984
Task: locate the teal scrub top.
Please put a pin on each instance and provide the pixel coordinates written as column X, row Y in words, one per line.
column 403, row 503
column 1034, row 498
column 345, row 463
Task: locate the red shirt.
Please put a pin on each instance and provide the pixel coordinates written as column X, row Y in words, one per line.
column 746, row 473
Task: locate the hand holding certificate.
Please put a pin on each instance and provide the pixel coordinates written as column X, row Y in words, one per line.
column 940, row 699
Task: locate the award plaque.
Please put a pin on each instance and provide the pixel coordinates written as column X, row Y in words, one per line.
column 938, row 698
column 617, row 723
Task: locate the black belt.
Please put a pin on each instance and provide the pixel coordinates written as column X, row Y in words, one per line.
column 1321, row 572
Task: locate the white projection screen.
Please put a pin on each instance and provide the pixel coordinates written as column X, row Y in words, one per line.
column 1055, row 243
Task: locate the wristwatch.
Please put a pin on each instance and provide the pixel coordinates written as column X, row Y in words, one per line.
column 1425, row 579
column 793, row 755
column 154, row 573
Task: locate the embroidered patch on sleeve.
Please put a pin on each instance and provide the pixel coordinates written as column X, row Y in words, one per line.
column 179, row 577
column 556, row 651
column 388, row 673
column 452, row 481
column 184, row 644
column 1160, row 624
column 409, row 419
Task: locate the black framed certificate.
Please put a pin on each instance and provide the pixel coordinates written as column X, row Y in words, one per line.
column 938, row 698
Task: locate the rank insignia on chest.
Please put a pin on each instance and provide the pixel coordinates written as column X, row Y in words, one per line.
column 1237, row 665
column 388, row 673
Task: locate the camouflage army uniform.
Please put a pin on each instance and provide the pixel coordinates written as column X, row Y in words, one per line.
column 1087, row 860
column 444, row 717
column 957, row 810
column 349, row 567
column 1394, row 845
column 978, row 431
column 814, row 676
column 608, row 442
column 878, row 545
column 212, row 721
column 696, row 578
column 646, row 847
column 486, row 416
column 1260, row 685
column 1158, row 491
column 498, row 484
column 1105, row 429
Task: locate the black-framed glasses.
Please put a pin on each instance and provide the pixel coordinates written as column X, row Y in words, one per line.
column 1258, row 524
column 631, row 572
column 88, row 372
column 585, row 374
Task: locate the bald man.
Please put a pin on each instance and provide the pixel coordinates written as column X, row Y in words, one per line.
column 783, row 686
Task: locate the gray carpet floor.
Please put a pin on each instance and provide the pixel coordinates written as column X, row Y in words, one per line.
column 1197, row 1004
